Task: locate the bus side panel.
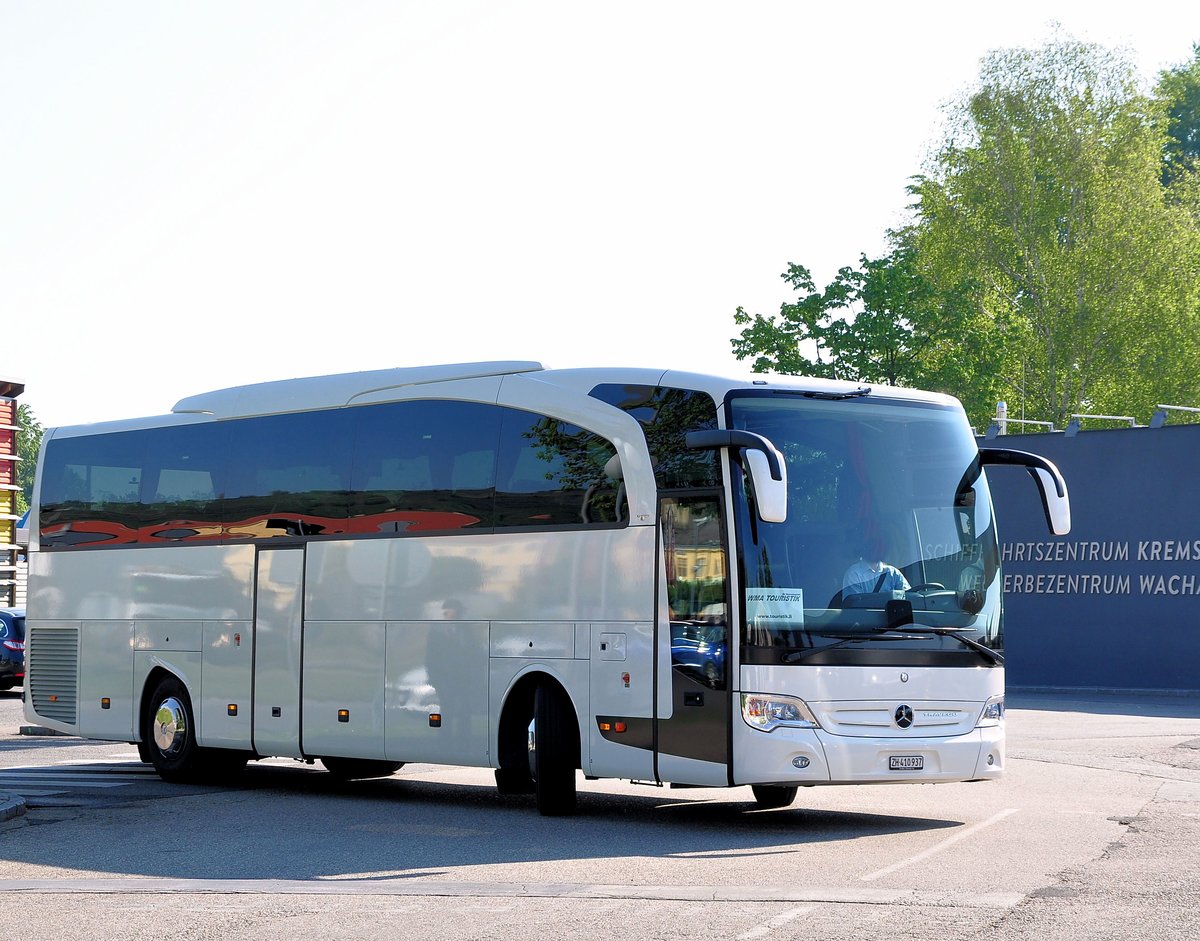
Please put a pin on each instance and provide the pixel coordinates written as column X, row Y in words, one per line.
column 172, row 582
column 226, row 681
column 185, row 664
column 605, row 575
column 343, row 684
column 278, row 633
column 622, row 688
column 572, row 675
column 146, row 584
column 437, row 708
column 108, row 699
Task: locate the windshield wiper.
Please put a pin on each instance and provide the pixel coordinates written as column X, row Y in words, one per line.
column 837, row 396
column 957, row 633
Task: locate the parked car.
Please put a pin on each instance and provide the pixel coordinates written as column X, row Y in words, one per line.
column 12, row 647
column 699, row 649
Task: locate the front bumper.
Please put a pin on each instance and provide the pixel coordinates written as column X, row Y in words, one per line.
column 814, row 756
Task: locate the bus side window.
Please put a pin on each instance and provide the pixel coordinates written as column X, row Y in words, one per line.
column 184, row 478
column 422, row 466
column 552, row 473
column 289, row 474
column 100, row 483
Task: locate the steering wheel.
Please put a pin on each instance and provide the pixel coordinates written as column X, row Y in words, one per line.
column 929, row 586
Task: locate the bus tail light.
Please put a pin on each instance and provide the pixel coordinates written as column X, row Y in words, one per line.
column 766, row 713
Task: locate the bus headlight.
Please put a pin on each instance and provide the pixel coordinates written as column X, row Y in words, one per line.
column 766, row 713
column 993, row 713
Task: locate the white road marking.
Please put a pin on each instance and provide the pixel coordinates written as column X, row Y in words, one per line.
column 933, row 850
column 778, row 921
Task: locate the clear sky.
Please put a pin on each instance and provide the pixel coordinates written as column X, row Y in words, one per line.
column 198, row 195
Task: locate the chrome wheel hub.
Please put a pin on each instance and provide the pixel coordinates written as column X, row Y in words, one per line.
column 170, row 726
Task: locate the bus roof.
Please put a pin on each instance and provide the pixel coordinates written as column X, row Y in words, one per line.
column 342, row 389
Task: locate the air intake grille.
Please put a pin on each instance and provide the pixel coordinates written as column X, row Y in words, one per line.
column 52, row 655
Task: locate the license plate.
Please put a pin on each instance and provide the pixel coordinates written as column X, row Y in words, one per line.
column 906, row 763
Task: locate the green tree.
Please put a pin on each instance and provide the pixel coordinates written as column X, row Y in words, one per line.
column 882, row 322
column 1179, row 91
column 1047, row 199
column 29, row 442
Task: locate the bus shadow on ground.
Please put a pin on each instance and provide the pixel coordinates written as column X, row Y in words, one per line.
column 280, row 823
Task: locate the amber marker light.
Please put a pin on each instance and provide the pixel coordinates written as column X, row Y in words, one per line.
column 343, row 715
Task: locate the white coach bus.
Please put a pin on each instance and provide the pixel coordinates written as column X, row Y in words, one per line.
column 632, row 573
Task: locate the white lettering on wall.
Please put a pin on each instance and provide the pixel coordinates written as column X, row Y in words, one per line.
column 1121, row 581
column 1068, row 584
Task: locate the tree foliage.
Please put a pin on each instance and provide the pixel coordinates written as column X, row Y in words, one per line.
column 880, row 322
column 1053, row 256
column 1179, row 91
column 29, row 442
column 1047, row 197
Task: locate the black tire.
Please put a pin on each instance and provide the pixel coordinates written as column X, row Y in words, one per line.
column 169, row 740
column 169, row 732
column 510, row 781
column 553, row 753
column 771, row 796
column 219, row 765
column 351, row 769
column 514, row 775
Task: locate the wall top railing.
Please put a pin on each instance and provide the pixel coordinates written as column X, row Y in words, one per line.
column 1078, row 419
column 999, row 425
column 1160, row 417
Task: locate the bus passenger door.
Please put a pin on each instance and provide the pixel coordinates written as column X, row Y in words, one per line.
column 278, row 613
column 693, row 740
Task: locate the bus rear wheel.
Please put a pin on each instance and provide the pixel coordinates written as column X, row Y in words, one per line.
column 350, row 769
column 170, row 732
column 771, row 796
column 169, row 740
column 553, row 752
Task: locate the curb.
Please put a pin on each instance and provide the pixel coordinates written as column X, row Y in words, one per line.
column 11, row 806
column 39, row 730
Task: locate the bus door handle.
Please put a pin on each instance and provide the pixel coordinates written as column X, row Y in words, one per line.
column 693, row 699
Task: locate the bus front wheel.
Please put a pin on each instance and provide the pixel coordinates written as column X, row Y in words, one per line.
column 553, row 750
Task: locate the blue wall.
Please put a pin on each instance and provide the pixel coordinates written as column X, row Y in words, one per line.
column 1115, row 604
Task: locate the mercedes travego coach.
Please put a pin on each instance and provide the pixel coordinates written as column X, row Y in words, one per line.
column 659, row 576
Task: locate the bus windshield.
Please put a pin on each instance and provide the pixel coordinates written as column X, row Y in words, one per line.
column 889, row 550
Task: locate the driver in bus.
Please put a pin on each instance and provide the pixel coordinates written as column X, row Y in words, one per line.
column 870, row 573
